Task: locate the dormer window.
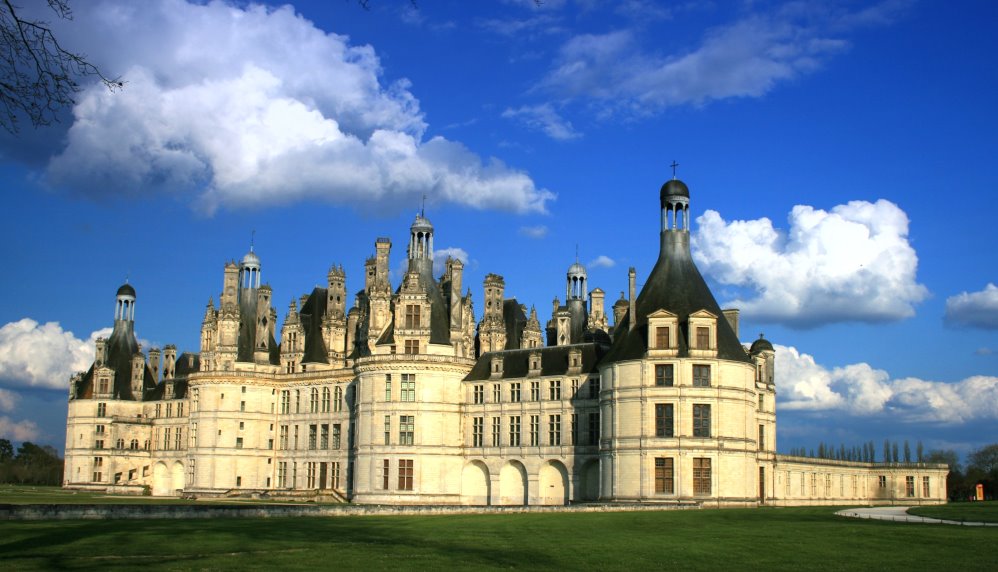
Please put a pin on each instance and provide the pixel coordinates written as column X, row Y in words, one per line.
column 534, row 364
column 662, row 340
column 663, row 330
column 703, row 337
column 703, row 334
column 496, row 366
column 412, row 315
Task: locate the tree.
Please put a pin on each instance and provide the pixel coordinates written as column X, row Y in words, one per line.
column 985, row 459
column 6, row 450
column 907, row 452
column 887, row 450
column 38, row 77
column 894, row 451
column 920, row 451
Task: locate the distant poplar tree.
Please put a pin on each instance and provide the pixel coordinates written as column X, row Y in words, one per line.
column 907, row 452
column 920, row 451
column 887, row 450
column 873, row 453
column 894, row 451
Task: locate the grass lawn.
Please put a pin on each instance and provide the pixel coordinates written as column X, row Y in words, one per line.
column 23, row 494
column 973, row 511
column 731, row 539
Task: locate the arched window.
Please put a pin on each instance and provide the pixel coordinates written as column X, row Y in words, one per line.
column 338, row 402
column 313, row 401
column 134, row 445
column 325, row 399
column 120, row 444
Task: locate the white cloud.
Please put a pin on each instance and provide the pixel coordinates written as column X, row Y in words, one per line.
column 861, row 390
column 544, row 118
column 602, row 261
column 256, row 106
column 24, row 430
column 8, row 399
column 853, row 263
column 440, row 256
column 43, row 355
column 538, row 231
column 974, row 309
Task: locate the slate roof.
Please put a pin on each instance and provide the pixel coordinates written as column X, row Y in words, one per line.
column 310, row 315
column 554, row 361
column 439, row 318
column 515, row 320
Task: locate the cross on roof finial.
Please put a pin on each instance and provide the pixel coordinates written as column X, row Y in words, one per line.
column 674, row 165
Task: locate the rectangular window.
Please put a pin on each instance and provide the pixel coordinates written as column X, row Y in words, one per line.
column 554, row 390
column 412, row 316
column 664, row 476
column 762, row 437
column 388, row 429
column 178, row 439
column 594, row 388
column 388, row 387
column 535, row 430
column 514, row 431
column 701, row 476
column 909, row 486
column 496, row 431
column 762, row 402
column 593, row 428
column 405, row 474
column 664, row 420
column 407, row 424
column 575, row 429
column 337, row 399
column 554, row 429
column 386, row 466
column 169, row 410
column 102, row 407
column 324, row 437
column 166, row 438
column 337, row 436
column 284, row 437
column 334, row 476
column 286, row 401
column 313, row 432
column 662, row 337
column 535, row 391
column 926, row 490
column 408, row 387
column 239, row 442
column 99, row 430
column 412, row 346
column 282, row 474
column 514, row 392
column 297, row 404
column 575, row 389
column 193, row 436
column 701, row 376
column 310, row 476
column 703, row 338
column 882, row 481
column 478, row 432
column 496, row 393
column 664, row 375
column 701, row 420
column 159, row 409
column 479, row 394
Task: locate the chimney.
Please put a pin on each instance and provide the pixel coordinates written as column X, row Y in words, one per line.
column 631, row 275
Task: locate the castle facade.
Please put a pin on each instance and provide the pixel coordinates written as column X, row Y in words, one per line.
column 404, row 398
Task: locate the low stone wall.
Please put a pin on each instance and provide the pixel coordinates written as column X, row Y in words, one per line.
column 160, row 511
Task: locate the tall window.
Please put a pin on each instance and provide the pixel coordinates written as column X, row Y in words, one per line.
column 664, row 477
column 406, row 429
column 662, row 337
column 701, row 420
column 324, row 437
column 762, row 437
column 408, row 387
column 882, row 481
column 102, row 407
column 554, row 429
column 412, row 346
column 337, row 435
column 575, row 429
column 388, row 429
column 195, row 399
column 593, row 428
column 554, row 389
column 514, row 392
column 664, row 375
column 496, row 431
column 411, row 316
column 388, row 387
column 762, row 401
column 297, row 404
column 284, row 437
column 312, row 433
column 282, row 474
column 535, row 391
column 703, row 338
column 514, row 431
column 535, row 429
column 325, row 400
column 701, row 476
column 594, row 388
column 166, row 438
column 477, row 431
column 701, row 376
column 338, row 399
column 496, row 393
column 334, row 474
column 664, row 420
column 285, row 401
column 310, row 476
column 405, row 474
column 313, row 401
column 386, row 466
column 479, row 394
column 178, row 439
column 909, row 486
column 296, row 438
column 926, row 489
column 575, row 388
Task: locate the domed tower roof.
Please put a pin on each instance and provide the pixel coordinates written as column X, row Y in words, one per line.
column 760, row 345
column 251, row 259
column 576, row 269
column 126, row 290
column 674, row 188
column 421, row 224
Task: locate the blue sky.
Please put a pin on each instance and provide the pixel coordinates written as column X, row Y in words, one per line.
column 839, row 157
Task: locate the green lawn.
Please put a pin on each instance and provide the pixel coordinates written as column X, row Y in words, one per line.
column 730, row 539
column 18, row 494
column 971, row 511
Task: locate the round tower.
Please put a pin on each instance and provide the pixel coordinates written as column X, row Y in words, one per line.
column 675, row 200
column 575, row 283
column 249, row 271
column 124, row 310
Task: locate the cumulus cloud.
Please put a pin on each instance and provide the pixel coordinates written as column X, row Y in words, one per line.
column 8, row 399
column 602, row 261
column 43, row 355
column 852, row 263
column 253, row 105
column 859, row 389
column 544, row 118
column 24, row 430
column 974, row 309
column 539, row 231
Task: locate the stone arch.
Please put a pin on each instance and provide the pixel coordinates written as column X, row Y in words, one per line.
column 176, row 477
column 587, row 479
column 160, row 479
column 475, row 484
column 553, row 484
column 513, row 484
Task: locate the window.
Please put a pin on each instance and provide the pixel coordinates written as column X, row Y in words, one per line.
column 412, row 346
column 664, row 420
column 169, row 410
column 338, row 399
column 285, row 401
column 284, row 437
column 514, row 392
column 297, row 403
column 313, row 431
column 313, row 401
column 178, row 438
column 408, row 387
column 594, row 388
column 159, row 409
column 701, row 476
column 194, row 435
column 411, row 316
column 593, row 428
column 662, row 337
column 514, row 431
column 134, row 445
column 575, row 429
column 388, row 429
column 762, row 437
column 166, row 438
column 535, row 429
column 99, row 429
column 479, row 394
column 926, row 489
column 334, row 470
column 664, row 375
column 102, row 409
column 310, row 476
column 664, row 476
column 535, row 391
column 703, row 338
column 388, row 387
column 909, row 486
column 496, row 393
column 701, row 420
column 325, row 400
column 119, row 444
column 554, row 389
column 701, row 376
column 296, row 438
column 406, row 429
column 575, row 389
column 405, row 474
column 324, row 437
column 554, row 429
column 282, row 474
column 337, row 435
column 242, row 406
column 239, row 442
column 882, row 481
column 180, row 410
column 496, row 431
column 762, row 401
column 477, row 431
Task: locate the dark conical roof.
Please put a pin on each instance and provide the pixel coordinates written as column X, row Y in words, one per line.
column 126, row 290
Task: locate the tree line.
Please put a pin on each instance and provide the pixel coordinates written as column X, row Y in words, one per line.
column 30, row 464
column 865, row 453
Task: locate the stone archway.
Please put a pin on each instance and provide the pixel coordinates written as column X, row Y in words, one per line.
column 475, row 484
column 177, row 478
column 553, row 484
column 513, row 484
column 161, row 480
